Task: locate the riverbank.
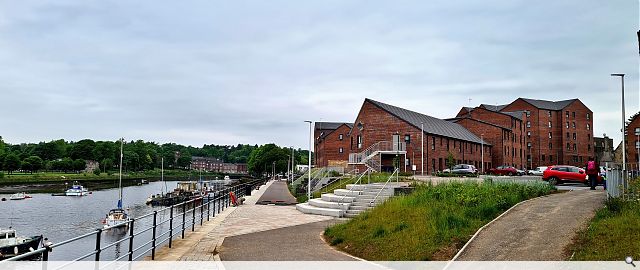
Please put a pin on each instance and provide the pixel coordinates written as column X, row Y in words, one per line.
column 59, row 177
column 432, row 223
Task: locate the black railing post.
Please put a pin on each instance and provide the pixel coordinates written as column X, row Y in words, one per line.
column 98, row 236
column 170, row 225
column 131, row 239
column 208, row 206
column 184, row 217
column 213, row 214
column 202, row 211
column 153, row 232
column 193, row 217
column 45, row 255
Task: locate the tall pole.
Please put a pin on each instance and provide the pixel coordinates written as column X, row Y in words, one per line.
column 293, row 163
column 288, row 168
column 309, row 169
column 624, row 149
column 482, row 150
column 422, row 148
column 120, row 176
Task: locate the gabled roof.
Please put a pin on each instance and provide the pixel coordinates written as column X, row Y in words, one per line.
column 330, row 125
column 495, row 108
column 549, row 105
column 515, row 114
column 432, row 125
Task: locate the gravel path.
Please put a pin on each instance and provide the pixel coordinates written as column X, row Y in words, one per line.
column 297, row 243
column 538, row 230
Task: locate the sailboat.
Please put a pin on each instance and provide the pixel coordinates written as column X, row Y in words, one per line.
column 118, row 217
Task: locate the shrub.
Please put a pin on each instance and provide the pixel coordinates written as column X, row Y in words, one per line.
column 1, row 175
column 97, row 172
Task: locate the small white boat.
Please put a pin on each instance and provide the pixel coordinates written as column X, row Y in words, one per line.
column 18, row 196
column 117, row 217
column 226, row 177
column 77, row 190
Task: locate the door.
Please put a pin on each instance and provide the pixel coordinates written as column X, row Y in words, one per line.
column 396, row 142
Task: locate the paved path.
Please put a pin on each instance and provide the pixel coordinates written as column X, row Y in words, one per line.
column 248, row 218
column 278, row 193
column 297, row 243
column 537, row 230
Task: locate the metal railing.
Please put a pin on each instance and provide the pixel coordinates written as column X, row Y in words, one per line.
column 371, row 151
column 191, row 212
column 354, row 185
column 396, row 172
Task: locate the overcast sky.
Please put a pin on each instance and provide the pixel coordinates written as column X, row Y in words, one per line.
column 228, row 72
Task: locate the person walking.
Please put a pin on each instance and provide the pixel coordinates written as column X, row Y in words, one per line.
column 592, row 173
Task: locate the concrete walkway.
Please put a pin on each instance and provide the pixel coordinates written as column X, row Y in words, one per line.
column 296, row 243
column 537, row 230
column 248, row 218
column 278, row 193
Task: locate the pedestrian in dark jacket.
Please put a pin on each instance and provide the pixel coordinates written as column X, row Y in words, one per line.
column 592, row 173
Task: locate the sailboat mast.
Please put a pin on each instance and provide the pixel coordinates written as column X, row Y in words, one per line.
column 162, row 175
column 120, row 181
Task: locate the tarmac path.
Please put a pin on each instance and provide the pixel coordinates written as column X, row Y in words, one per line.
column 277, row 193
column 537, row 230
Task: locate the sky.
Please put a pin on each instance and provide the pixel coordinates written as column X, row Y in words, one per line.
column 229, row 72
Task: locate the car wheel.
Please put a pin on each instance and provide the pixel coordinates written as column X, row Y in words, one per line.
column 510, row 174
column 553, row 181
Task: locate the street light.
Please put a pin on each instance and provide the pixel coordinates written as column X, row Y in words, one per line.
column 482, row 150
column 310, row 144
column 422, row 147
column 624, row 153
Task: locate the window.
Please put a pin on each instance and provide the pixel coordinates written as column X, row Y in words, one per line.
column 575, row 147
column 528, row 133
column 568, row 146
column 549, row 124
column 637, row 145
column 588, row 116
column 528, row 124
column 588, row 127
column 567, row 114
column 529, row 144
column 433, row 145
column 340, row 150
column 573, row 114
column 588, row 148
column 340, row 137
column 528, row 113
column 542, row 157
column 359, row 141
column 573, row 125
column 551, row 158
column 568, row 136
column 637, row 131
column 574, row 136
column 567, row 124
column 549, row 113
column 549, row 135
column 550, row 146
column 407, row 138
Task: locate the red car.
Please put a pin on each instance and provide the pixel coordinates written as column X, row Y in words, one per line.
column 563, row 173
column 503, row 170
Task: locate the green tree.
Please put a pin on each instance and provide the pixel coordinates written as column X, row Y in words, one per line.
column 107, row 164
column 262, row 159
column 83, row 149
column 450, row 161
column 66, row 164
column 11, row 162
column 32, row 164
column 79, row 165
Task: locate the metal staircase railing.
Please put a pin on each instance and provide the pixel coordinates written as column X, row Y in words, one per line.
column 395, row 172
column 368, row 156
column 354, row 185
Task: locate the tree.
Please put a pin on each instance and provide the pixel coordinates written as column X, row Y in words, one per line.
column 261, row 159
column 79, row 165
column 450, row 161
column 83, row 149
column 11, row 162
column 32, row 164
column 107, row 164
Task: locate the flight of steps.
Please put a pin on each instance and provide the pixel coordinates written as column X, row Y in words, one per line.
column 349, row 202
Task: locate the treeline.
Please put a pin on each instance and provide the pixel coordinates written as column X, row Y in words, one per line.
column 66, row 156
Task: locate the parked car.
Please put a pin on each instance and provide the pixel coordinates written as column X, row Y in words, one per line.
column 563, row 173
column 464, row 169
column 537, row 171
column 504, row 170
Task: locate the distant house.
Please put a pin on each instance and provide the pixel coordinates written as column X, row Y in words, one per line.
column 91, row 165
column 207, row 164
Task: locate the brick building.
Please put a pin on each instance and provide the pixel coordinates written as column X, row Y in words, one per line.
column 632, row 141
column 384, row 135
column 207, row 164
column 332, row 143
column 503, row 130
column 557, row 132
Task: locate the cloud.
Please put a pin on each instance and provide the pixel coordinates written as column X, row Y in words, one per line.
column 207, row 72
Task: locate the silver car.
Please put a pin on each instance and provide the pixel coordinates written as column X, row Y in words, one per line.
column 464, row 169
column 537, row 171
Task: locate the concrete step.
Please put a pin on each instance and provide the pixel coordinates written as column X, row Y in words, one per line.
column 367, row 202
column 371, row 197
column 330, row 197
column 360, row 207
column 309, row 209
column 374, row 193
column 325, row 204
column 346, row 192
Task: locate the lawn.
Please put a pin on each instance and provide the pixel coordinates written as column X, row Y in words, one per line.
column 432, row 223
column 25, row 178
column 612, row 234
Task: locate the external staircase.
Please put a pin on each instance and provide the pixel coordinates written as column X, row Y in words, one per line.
column 372, row 156
column 350, row 202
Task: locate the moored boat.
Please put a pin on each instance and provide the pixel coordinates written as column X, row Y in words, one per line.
column 118, row 217
column 77, row 190
column 19, row 196
column 11, row 245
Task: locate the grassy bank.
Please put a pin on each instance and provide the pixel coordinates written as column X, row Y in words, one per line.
column 342, row 184
column 612, row 234
column 47, row 177
column 432, row 223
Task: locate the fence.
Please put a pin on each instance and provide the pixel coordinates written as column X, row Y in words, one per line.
column 181, row 218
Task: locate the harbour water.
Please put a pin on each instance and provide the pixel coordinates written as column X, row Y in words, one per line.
column 60, row 218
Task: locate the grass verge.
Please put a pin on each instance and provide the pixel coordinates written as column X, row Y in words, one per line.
column 432, row 223
column 612, row 234
column 49, row 177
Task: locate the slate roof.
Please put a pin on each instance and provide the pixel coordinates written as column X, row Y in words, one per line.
column 549, row 105
column 516, row 114
column 432, row 125
column 495, row 108
column 331, row 125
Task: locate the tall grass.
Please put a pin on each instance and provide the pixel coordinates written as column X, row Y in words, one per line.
column 431, row 223
column 613, row 233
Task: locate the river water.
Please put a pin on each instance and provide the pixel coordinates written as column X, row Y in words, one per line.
column 60, row 218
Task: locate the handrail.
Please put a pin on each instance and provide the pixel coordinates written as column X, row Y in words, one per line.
column 397, row 171
column 354, row 185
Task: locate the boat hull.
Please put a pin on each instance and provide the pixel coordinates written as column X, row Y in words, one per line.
column 7, row 252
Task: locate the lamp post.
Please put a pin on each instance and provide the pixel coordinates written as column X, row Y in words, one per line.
column 624, row 150
column 422, row 148
column 309, row 169
column 293, row 163
column 482, row 150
